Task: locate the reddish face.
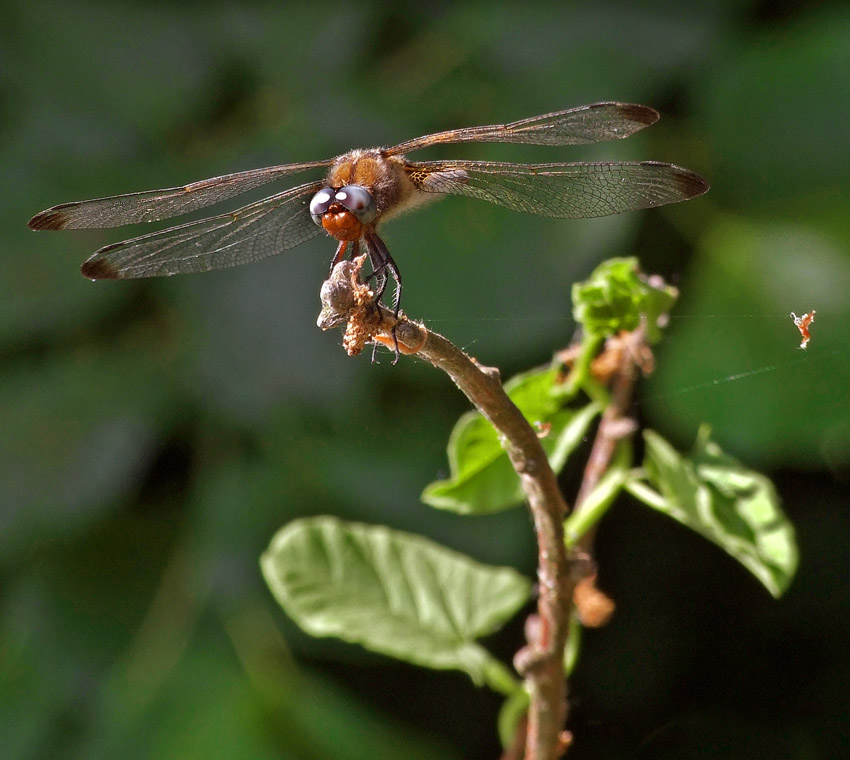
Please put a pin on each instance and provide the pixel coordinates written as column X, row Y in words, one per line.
column 343, row 213
column 342, row 224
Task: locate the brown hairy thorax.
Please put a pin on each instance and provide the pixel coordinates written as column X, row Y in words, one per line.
column 383, row 176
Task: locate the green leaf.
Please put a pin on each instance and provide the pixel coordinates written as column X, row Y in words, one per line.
column 482, row 478
column 617, row 295
column 736, row 508
column 391, row 592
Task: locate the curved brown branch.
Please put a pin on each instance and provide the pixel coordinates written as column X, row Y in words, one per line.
column 347, row 301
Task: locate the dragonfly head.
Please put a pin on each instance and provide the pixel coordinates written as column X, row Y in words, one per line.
column 343, row 213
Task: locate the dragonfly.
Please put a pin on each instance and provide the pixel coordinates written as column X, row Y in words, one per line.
column 364, row 187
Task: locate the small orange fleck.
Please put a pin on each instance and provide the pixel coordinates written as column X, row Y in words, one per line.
column 803, row 326
column 543, row 428
column 594, row 608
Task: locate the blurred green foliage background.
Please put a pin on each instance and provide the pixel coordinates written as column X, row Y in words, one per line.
column 154, row 435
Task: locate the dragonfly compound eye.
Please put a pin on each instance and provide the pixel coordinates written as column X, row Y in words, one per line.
column 320, row 203
column 358, row 200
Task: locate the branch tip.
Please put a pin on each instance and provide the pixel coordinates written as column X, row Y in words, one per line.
column 347, row 300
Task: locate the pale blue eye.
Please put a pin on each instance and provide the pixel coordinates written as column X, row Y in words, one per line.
column 320, row 203
column 358, row 200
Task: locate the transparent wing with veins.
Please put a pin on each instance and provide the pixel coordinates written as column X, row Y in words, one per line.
column 254, row 232
column 153, row 205
column 575, row 126
column 565, row 191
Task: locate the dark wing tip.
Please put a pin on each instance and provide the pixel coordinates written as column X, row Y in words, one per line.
column 99, row 269
column 638, row 114
column 690, row 183
column 52, row 219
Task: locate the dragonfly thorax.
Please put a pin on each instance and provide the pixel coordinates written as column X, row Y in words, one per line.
column 384, row 177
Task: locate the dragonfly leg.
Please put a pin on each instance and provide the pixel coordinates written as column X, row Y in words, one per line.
column 381, row 262
column 340, row 253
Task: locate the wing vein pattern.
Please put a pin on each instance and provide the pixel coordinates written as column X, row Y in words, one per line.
column 251, row 233
column 564, row 191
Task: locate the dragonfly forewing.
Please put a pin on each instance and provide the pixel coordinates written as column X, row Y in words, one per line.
column 575, row 126
column 254, row 232
column 153, row 205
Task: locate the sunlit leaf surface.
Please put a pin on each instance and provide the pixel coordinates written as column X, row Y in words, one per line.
column 736, row 508
column 391, row 592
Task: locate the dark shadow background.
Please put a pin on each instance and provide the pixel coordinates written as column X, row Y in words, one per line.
column 154, row 435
